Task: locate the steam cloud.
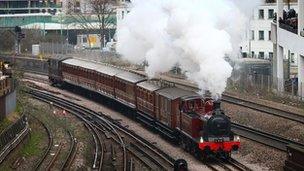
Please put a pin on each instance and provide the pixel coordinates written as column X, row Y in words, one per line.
column 196, row 34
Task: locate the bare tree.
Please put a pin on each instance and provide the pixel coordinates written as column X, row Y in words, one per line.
column 99, row 15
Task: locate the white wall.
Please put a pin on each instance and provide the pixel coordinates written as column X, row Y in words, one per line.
column 290, row 41
column 256, row 25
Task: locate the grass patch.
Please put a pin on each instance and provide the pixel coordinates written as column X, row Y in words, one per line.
column 32, row 148
column 4, row 124
column 19, row 108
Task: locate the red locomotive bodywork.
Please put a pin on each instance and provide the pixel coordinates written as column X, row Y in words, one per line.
column 216, row 147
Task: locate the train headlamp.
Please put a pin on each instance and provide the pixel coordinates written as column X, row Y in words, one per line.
column 201, row 140
column 237, row 138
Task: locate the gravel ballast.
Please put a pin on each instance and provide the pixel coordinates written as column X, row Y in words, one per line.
column 174, row 151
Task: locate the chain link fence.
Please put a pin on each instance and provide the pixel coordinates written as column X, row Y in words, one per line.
column 266, row 85
column 56, row 48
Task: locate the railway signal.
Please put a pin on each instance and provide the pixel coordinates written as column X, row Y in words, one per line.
column 21, row 36
column 18, row 37
column 18, row 29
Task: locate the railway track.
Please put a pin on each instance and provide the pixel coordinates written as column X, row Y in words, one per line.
column 49, row 163
column 265, row 138
column 132, row 147
column 99, row 148
column 72, row 153
column 263, row 108
column 50, row 144
column 229, row 165
column 98, row 151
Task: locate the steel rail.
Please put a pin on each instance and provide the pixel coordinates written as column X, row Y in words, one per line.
column 50, row 144
column 86, row 123
column 262, row 137
column 239, row 166
column 72, row 152
column 263, row 108
column 97, row 115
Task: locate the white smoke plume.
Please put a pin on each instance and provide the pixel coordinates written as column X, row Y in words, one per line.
column 196, row 34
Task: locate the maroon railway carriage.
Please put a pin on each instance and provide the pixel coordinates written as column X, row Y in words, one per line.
column 146, row 107
column 125, row 87
column 167, row 109
column 96, row 77
column 105, row 80
column 79, row 73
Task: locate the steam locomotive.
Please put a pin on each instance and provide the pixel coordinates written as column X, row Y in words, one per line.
column 184, row 117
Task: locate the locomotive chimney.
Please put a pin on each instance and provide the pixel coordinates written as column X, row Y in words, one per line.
column 217, row 105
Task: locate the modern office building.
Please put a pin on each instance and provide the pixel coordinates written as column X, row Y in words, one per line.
column 29, row 6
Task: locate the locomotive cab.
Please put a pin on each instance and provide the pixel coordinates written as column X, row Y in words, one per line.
column 193, row 105
column 191, row 110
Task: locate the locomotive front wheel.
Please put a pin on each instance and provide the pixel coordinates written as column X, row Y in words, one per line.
column 180, row 165
column 197, row 153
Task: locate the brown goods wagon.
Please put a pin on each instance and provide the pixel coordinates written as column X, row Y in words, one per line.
column 125, row 87
column 167, row 105
column 145, row 92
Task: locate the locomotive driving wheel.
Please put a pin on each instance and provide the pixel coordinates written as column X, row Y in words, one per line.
column 188, row 145
column 197, row 153
column 183, row 143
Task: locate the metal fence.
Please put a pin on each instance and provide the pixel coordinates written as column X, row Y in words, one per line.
column 56, row 48
column 8, row 135
column 266, row 85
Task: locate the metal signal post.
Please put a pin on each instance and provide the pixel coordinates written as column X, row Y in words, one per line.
column 18, row 36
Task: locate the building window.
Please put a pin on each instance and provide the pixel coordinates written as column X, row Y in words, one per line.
column 84, row 40
column 261, row 14
column 292, row 57
column 252, row 54
column 252, row 34
column 270, row 55
column 244, row 55
column 261, row 35
column 270, row 14
column 269, row 35
column 261, row 55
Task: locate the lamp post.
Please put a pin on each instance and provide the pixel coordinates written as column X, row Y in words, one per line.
column 61, row 24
